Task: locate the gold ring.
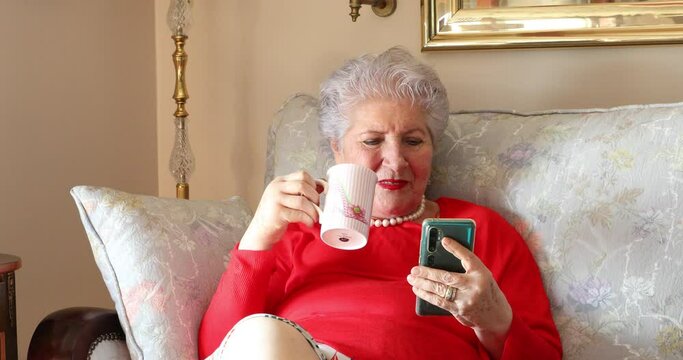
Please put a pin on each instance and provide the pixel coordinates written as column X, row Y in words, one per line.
column 450, row 293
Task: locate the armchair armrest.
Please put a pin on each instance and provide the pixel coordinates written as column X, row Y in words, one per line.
column 73, row 333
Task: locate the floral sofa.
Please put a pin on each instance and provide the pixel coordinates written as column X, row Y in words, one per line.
column 596, row 193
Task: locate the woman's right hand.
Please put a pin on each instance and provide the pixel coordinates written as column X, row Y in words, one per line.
column 287, row 199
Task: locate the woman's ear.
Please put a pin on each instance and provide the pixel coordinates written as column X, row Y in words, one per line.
column 336, row 150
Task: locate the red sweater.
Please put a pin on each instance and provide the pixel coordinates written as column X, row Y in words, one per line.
column 360, row 303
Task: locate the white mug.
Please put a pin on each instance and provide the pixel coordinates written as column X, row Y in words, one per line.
column 345, row 222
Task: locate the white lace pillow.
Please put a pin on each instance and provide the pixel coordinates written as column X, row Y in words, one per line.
column 161, row 260
column 108, row 350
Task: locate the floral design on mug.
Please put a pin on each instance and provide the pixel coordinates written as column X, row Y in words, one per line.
column 352, row 211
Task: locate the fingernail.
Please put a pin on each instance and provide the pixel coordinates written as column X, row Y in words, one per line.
column 415, row 271
column 410, row 279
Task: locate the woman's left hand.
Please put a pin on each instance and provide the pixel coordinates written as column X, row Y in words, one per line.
column 475, row 299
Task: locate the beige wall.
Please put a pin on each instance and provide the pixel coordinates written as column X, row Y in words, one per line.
column 77, row 89
column 77, row 97
column 247, row 57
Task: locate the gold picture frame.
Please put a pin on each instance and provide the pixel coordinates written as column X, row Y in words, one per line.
column 460, row 24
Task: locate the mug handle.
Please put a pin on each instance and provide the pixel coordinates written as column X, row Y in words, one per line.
column 322, row 184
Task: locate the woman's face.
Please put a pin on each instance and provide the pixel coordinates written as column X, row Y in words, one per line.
column 391, row 138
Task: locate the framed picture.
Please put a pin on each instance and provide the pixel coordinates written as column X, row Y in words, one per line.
column 486, row 24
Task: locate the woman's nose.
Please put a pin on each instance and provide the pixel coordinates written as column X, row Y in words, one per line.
column 393, row 157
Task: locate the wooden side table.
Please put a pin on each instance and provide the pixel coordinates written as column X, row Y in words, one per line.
column 8, row 313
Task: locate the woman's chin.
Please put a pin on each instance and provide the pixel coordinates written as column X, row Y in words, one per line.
column 392, row 206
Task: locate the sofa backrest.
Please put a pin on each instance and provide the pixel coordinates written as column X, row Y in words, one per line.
column 597, row 194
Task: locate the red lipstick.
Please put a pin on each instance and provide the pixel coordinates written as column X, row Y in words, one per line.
column 392, row 184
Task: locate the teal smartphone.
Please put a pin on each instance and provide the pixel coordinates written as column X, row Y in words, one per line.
column 434, row 255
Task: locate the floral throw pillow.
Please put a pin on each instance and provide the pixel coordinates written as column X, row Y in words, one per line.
column 161, row 260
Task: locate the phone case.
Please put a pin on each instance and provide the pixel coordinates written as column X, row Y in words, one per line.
column 434, row 255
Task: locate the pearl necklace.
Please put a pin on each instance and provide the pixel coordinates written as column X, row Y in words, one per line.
column 399, row 219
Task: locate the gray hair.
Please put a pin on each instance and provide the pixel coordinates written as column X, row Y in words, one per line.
column 393, row 74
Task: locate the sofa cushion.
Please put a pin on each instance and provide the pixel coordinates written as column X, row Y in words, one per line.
column 294, row 140
column 161, row 260
column 597, row 194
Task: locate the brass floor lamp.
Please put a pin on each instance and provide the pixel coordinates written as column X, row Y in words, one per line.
column 181, row 163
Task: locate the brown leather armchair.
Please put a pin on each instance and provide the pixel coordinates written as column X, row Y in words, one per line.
column 78, row 333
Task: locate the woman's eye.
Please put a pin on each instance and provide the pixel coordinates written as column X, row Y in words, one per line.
column 371, row 142
column 414, row 142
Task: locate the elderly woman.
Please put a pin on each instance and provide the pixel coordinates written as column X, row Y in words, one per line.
column 288, row 295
